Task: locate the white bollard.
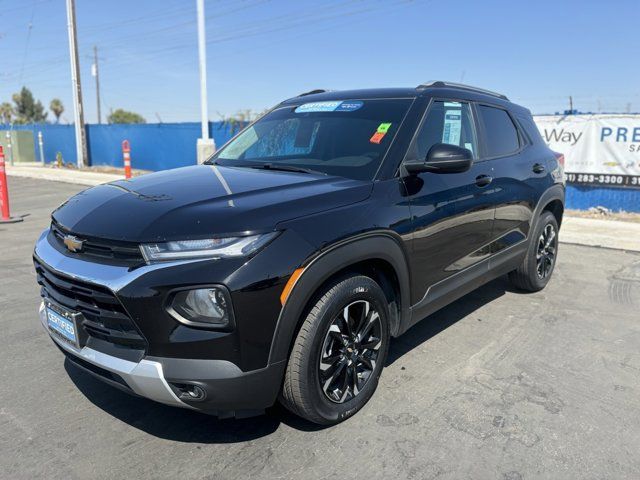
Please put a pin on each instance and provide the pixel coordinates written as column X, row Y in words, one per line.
column 9, row 148
column 40, row 144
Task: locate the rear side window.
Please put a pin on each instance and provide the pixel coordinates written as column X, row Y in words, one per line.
column 530, row 128
column 500, row 134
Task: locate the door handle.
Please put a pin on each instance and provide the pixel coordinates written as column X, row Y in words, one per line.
column 538, row 168
column 483, row 180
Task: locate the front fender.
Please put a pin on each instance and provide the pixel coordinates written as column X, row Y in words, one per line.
column 385, row 246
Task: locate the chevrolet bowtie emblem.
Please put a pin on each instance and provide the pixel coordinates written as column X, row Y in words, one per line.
column 72, row 243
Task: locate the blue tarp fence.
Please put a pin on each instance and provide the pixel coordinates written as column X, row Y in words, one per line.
column 162, row 146
column 154, row 146
column 581, row 197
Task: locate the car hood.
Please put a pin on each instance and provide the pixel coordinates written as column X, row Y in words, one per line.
column 203, row 200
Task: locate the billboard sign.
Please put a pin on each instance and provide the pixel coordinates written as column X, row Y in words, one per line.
column 598, row 149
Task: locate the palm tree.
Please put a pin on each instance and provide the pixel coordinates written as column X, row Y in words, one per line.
column 6, row 112
column 57, row 108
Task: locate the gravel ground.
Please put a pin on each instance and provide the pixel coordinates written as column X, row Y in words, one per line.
column 499, row 385
column 605, row 215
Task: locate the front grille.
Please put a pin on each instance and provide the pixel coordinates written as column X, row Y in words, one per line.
column 104, row 317
column 109, row 251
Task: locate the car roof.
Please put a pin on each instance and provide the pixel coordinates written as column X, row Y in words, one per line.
column 360, row 94
column 432, row 89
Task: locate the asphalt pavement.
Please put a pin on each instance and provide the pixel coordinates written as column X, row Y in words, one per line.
column 499, row 385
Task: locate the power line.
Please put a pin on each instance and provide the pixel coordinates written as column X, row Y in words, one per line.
column 335, row 15
column 109, row 26
column 298, row 19
column 306, row 32
column 343, row 19
column 241, row 31
column 9, row 10
column 149, row 34
column 26, row 45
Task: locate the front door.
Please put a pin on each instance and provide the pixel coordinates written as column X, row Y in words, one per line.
column 452, row 214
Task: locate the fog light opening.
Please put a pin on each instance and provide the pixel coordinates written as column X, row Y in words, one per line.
column 190, row 392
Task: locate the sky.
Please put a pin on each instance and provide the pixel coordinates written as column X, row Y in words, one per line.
column 260, row 52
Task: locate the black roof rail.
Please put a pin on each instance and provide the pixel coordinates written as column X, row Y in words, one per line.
column 312, row 92
column 462, row 86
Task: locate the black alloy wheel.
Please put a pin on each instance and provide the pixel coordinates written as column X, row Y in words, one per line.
column 339, row 352
column 350, row 351
column 538, row 264
column 546, row 251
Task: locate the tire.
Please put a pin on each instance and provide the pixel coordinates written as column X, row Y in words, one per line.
column 308, row 390
column 528, row 275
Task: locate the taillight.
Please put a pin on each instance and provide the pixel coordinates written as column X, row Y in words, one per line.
column 558, row 173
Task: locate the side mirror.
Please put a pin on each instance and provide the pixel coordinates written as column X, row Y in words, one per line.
column 442, row 158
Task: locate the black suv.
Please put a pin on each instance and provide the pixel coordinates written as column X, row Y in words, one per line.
column 281, row 268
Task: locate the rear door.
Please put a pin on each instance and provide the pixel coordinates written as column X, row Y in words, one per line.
column 504, row 148
column 452, row 213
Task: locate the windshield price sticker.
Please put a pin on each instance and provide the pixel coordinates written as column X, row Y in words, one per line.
column 335, row 106
column 384, row 127
column 377, row 137
column 382, row 130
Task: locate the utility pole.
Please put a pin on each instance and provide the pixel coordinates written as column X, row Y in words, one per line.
column 96, row 73
column 205, row 146
column 78, row 114
column 570, row 105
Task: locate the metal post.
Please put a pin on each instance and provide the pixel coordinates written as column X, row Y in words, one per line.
column 205, row 146
column 78, row 114
column 96, row 73
column 40, row 145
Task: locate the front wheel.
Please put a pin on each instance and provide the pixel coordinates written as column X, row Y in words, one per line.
column 339, row 352
column 535, row 271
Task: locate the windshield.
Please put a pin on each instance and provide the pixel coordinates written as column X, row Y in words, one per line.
column 347, row 138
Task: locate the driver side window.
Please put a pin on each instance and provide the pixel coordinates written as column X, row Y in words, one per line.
column 446, row 122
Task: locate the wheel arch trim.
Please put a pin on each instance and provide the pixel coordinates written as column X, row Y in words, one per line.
column 553, row 193
column 379, row 245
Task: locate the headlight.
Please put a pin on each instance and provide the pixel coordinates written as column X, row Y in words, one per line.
column 211, row 247
column 210, row 306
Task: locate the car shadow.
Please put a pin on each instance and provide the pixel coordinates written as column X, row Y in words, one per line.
column 178, row 424
column 442, row 319
column 182, row 425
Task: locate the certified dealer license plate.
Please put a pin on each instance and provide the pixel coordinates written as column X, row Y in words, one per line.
column 62, row 326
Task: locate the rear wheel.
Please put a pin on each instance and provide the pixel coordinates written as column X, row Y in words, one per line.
column 339, row 352
column 535, row 271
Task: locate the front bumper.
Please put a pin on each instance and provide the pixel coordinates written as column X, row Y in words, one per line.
column 233, row 368
column 144, row 378
column 229, row 391
column 141, row 294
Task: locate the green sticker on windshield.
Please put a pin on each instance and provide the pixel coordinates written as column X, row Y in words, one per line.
column 384, row 127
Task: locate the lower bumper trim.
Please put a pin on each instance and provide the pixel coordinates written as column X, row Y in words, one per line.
column 145, row 378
